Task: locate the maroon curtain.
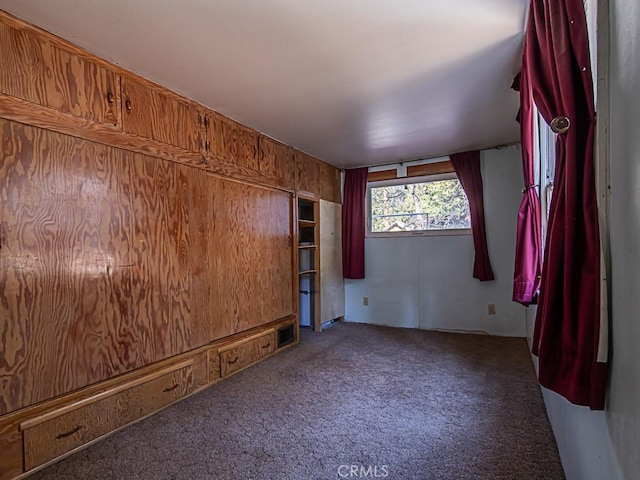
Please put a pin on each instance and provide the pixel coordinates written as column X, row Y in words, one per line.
column 567, row 330
column 353, row 222
column 467, row 167
column 528, row 261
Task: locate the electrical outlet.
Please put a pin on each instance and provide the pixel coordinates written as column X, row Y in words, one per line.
column 491, row 309
column 365, row 301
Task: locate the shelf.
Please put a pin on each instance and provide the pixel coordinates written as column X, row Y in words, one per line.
column 302, row 247
column 306, row 223
column 307, row 271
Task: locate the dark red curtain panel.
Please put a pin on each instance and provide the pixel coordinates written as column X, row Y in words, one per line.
column 528, row 262
column 353, row 222
column 567, row 331
column 467, row 167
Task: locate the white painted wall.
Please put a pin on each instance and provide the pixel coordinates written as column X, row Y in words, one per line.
column 426, row 282
column 623, row 408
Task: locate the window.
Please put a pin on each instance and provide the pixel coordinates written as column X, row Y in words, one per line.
column 435, row 204
column 545, row 153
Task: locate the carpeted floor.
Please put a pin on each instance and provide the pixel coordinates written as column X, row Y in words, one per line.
column 355, row 401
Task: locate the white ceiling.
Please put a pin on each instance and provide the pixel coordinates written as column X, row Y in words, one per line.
column 353, row 82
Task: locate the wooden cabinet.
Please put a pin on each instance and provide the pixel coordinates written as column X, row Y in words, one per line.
column 36, row 70
column 240, row 355
column 307, row 174
column 221, row 137
column 159, row 115
column 276, row 159
column 330, row 183
column 61, row 431
column 247, row 148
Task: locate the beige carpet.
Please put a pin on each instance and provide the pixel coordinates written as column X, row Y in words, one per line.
column 356, row 401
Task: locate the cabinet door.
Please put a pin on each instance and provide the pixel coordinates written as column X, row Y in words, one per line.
column 331, row 281
column 35, row 70
column 152, row 113
column 330, row 183
column 247, row 147
column 221, row 137
column 307, row 173
column 276, row 159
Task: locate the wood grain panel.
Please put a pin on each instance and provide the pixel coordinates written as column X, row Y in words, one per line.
column 64, row 266
column 33, row 69
column 413, row 171
column 18, row 110
column 307, row 174
column 10, row 456
column 267, row 155
column 222, row 137
column 330, row 188
column 277, row 159
column 153, row 259
column 152, row 113
column 247, row 155
column 200, row 189
column 55, row 437
column 214, row 365
column 250, row 269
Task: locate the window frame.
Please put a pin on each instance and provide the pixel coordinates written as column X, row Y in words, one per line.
column 412, row 233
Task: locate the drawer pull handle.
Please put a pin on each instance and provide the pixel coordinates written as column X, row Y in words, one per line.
column 267, row 345
column 128, row 105
column 231, row 362
column 69, row 433
column 170, row 389
column 110, row 98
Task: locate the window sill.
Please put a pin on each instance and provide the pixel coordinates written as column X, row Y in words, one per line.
column 421, row 233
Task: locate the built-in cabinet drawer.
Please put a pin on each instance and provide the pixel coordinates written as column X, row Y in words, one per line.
column 237, row 356
column 47, row 438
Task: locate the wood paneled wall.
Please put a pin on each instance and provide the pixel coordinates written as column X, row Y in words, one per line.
column 111, row 260
column 135, row 224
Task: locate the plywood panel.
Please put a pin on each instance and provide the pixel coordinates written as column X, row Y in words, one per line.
column 331, row 281
column 250, row 257
column 64, row 266
column 247, row 148
column 330, row 188
column 35, row 70
column 160, row 256
column 161, row 116
column 11, row 456
column 307, row 174
column 277, row 159
column 200, row 189
column 222, row 137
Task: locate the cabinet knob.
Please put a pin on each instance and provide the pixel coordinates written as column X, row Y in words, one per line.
column 110, row 98
column 128, row 105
